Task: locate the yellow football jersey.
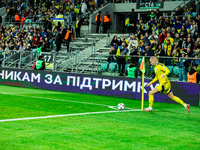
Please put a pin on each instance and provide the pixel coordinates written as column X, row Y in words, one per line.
column 159, row 70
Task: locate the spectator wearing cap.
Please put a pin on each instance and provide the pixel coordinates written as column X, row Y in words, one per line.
column 98, row 20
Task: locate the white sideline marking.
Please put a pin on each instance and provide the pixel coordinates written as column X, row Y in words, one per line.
column 65, row 115
column 112, row 107
column 56, row 99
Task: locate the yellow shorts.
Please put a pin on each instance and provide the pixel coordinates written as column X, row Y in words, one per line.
column 166, row 88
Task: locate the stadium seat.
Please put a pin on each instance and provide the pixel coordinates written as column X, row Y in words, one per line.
column 176, row 70
column 104, row 66
column 194, row 14
column 112, row 66
column 126, row 66
column 170, row 69
column 152, row 69
column 140, row 60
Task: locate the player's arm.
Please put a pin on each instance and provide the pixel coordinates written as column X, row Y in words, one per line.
column 154, row 80
column 165, row 70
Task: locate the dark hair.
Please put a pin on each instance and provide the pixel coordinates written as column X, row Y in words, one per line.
column 40, row 57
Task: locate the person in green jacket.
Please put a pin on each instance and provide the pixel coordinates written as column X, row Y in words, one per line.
column 40, row 64
column 132, row 71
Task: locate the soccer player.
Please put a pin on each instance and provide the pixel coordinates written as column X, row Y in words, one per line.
column 161, row 72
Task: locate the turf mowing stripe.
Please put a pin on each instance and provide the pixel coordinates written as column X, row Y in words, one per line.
column 65, row 115
column 57, row 99
column 112, row 107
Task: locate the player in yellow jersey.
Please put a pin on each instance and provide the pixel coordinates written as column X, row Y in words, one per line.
column 161, row 72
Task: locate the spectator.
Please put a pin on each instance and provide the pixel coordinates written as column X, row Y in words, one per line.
column 198, row 7
column 58, row 41
column 107, row 22
column 68, row 38
column 40, row 64
column 179, row 11
column 78, row 27
column 132, row 71
column 158, row 14
column 148, row 52
column 114, row 41
column 133, row 53
column 162, row 36
column 121, row 52
column 98, row 20
column 192, row 75
column 133, row 42
column 133, row 21
column 35, row 43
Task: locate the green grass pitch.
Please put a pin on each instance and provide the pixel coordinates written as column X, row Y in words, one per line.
column 168, row 127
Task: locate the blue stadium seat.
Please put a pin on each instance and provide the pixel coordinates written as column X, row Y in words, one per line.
column 104, row 66
column 152, row 69
column 126, row 66
column 112, row 66
column 170, row 68
column 176, row 70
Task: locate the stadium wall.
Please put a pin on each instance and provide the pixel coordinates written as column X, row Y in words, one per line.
column 95, row 84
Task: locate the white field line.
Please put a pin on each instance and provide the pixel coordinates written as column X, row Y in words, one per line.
column 65, row 115
column 52, row 99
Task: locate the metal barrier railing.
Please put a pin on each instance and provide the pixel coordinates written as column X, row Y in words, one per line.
column 175, row 65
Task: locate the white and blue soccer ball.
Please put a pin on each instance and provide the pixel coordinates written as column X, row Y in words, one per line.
column 121, row 106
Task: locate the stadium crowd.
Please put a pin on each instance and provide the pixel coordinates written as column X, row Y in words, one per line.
column 160, row 36
column 37, row 23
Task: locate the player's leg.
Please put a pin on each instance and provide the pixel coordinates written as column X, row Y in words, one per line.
column 151, row 99
column 178, row 100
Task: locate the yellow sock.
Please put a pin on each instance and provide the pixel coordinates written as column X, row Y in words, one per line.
column 151, row 99
column 178, row 100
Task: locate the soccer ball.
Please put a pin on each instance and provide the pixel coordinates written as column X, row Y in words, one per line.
column 121, row 106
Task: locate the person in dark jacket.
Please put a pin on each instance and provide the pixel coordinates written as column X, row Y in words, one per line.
column 58, row 41
column 40, row 64
column 78, row 27
column 133, row 21
column 98, row 20
column 107, row 22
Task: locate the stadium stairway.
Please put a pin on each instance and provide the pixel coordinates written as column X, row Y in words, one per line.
column 89, row 57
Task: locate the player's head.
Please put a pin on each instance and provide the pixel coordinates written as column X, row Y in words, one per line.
column 153, row 60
